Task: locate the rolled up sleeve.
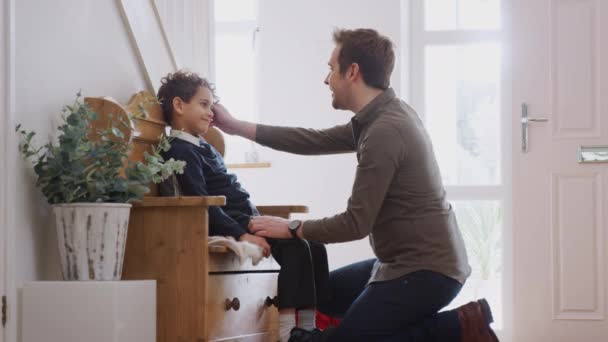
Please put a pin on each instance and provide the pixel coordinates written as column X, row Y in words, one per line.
column 338, row 139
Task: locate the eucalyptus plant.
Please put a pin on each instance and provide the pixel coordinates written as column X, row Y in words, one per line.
column 88, row 165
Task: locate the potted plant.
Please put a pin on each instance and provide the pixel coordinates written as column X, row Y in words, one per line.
column 87, row 181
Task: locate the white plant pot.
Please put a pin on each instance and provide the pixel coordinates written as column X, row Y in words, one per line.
column 92, row 238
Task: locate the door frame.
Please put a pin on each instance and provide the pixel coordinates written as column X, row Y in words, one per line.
column 3, row 131
column 8, row 150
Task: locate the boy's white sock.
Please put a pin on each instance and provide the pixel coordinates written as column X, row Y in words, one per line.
column 306, row 319
column 287, row 321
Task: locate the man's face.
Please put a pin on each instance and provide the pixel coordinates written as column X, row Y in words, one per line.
column 197, row 115
column 338, row 84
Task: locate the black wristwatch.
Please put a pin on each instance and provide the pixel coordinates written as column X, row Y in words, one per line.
column 293, row 228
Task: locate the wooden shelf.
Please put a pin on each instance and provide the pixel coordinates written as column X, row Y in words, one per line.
column 181, row 201
column 249, row 165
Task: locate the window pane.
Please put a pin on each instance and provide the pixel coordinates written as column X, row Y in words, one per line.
column 481, row 226
column 462, row 111
column 235, row 10
column 461, row 15
column 235, row 80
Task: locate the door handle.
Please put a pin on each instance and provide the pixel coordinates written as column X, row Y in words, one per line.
column 525, row 121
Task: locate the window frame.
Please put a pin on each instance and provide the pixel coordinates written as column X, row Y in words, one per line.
column 413, row 58
column 237, row 26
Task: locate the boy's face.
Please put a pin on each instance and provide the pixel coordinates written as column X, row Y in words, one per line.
column 194, row 117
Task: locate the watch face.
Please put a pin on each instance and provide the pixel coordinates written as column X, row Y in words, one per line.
column 293, row 228
column 293, row 225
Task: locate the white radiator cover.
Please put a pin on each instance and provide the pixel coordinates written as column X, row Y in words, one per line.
column 116, row 311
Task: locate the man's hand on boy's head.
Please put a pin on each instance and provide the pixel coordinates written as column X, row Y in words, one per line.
column 270, row 226
column 257, row 240
column 223, row 119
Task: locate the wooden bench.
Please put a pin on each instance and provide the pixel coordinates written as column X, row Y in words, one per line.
column 203, row 294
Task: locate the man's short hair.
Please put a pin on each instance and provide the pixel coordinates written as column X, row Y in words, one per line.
column 182, row 84
column 371, row 51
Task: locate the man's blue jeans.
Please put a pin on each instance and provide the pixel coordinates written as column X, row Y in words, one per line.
column 402, row 309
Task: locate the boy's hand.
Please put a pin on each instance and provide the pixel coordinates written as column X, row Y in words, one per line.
column 260, row 241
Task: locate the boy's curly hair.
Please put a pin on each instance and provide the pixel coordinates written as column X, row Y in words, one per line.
column 182, row 84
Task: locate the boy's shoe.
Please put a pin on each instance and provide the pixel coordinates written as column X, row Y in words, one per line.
column 302, row 335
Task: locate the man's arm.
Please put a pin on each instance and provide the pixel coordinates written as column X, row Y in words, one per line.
column 338, row 139
column 382, row 152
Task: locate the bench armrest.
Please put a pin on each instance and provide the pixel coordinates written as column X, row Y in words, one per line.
column 282, row 210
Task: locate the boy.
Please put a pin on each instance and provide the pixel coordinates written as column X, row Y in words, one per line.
column 186, row 101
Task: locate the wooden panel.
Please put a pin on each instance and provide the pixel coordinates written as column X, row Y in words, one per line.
column 169, row 244
column 148, row 131
column 253, row 316
column 578, row 249
column 230, row 262
column 151, row 108
column 576, row 68
column 108, row 110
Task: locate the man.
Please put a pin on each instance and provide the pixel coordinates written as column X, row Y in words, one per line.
column 398, row 200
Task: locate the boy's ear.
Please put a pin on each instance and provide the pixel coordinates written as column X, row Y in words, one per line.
column 178, row 105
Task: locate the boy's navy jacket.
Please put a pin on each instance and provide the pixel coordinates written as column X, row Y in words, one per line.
column 205, row 174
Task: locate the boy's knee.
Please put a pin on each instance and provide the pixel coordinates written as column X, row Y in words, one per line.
column 318, row 249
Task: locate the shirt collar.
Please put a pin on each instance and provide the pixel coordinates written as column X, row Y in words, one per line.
column 187, row 137
column 370, row 111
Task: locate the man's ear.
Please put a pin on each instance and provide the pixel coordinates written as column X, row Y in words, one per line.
column 354, row 72
column 178, row 105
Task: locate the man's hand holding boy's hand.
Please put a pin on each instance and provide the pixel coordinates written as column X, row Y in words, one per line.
column 260, row 241
column 270, row 227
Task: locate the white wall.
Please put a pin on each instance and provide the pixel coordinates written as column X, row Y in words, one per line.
column 61, row 46
column 295, row 45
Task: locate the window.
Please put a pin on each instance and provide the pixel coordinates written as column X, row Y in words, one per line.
column 456, row 87
column 234, row 66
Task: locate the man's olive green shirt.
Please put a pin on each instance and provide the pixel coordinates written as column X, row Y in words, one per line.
column 397, row 198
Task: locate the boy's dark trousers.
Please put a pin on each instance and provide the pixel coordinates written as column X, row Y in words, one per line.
column 304, row 275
